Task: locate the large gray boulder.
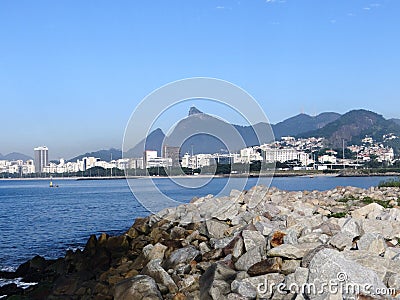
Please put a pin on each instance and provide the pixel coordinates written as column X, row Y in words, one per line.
column 370, row 211
column 154, row 270
column 250, row 258
column 342, row 240
column 253, row 239
column 216, row 229
column 353, row 227
column 137, row 288
column 373, row 242
column 330, row 271
column 181, row 256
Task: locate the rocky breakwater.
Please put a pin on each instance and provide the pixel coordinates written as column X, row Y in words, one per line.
column 257, row 244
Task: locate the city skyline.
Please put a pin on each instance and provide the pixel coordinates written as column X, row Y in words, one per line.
column 288, row 153
column 58, row 156
column 73, row 71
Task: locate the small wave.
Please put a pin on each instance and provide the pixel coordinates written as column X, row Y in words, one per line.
column 18, row 282
column 75, row 248
column 8, row 269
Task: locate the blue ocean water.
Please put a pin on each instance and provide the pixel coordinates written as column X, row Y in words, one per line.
column 36, row 219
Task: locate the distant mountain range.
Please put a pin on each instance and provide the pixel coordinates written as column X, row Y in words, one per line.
column 190, row 133
column 353, row 126
column 202, row 133
column 15, row 156
column 105, row 155
column 303, row 123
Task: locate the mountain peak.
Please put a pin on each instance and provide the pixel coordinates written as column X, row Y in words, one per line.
column 194, row 111
column 15, row 156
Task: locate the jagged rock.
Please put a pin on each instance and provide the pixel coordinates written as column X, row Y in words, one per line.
column 178, row 233
column 303, row 209
column 181, row 256
column 216, row 229
column 204, row 248
column 291, row 251
column 226, row 210
column 265, row 228
column 342, row 240
column 305, row 262
column 250, row 258
column 235, row 247
column 195, row 235
column 215, row 282
column 370, row 211
column 157, row 252
column 389, row 230
column 353, row 227
column 33, row 269
column 289, row 266
column 154, row 270
column 221, row 243
column 141, row 225
column 138, row 287
column 189, row 283
column 373, row 261
column 253, row 239
column 213, row 254
column 330, row 265
column 146, row 250
column 373, row 242
column 314, row 238
column 290, row 237
column 269, row 265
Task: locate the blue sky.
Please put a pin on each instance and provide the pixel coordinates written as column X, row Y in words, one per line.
column 72, row 72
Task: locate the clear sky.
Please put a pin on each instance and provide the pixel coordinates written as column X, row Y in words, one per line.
column 71, row 72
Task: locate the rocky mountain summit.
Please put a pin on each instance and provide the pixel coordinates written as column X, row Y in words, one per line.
column 257, row 244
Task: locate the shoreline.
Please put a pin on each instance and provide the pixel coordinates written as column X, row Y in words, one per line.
column 276, row 174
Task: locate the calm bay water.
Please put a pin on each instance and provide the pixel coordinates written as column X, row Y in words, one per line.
column 36, row 219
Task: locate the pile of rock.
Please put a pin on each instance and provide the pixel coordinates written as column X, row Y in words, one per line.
column 257, row 244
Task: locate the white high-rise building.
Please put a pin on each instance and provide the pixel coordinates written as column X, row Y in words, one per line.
column 41, row 158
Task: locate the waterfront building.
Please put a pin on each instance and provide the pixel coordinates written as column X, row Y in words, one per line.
column 159, row 162
column 327, row 159
column 148, row 155
column 136, row 163
column 41, row 155
column 28, row 167
column 89, row 162
column 272, row 155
